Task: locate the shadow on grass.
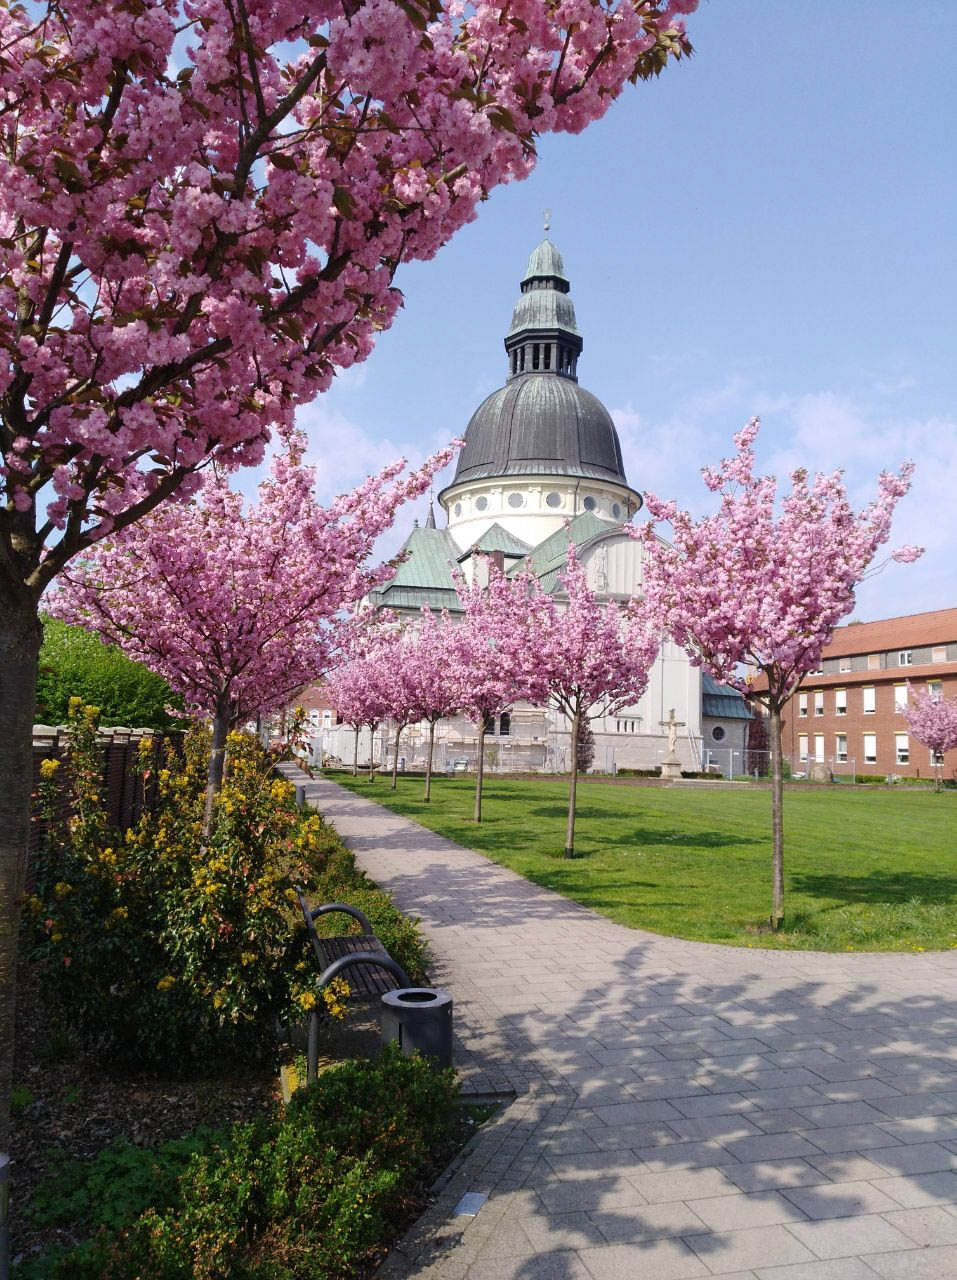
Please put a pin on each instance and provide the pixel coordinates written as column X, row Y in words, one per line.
column 878, row 887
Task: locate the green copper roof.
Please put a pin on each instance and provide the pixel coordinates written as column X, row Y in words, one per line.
column 495, row 538
column 430, row 554
column 551, row 556
column 545, row 262
column 721, row 701
column 545, row 309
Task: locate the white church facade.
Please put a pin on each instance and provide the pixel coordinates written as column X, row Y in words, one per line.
column 542, row 469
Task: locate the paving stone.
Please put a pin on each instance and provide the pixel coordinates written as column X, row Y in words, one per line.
column 917, row 1189
column 931, row 1226
column 848, row 1137
column 837, row 1269
column 564, row 1265
column 759, row 1209
column 840, row 1199
column 549, row 1232
column 660, row 1259
column 683, row 1184
column 849, row 1237
column 770, row 1146
column 765, row 1175
column 915, row 1264
column 593, row 1193
column 650, row 1222
column 755, row 1246
column 920, row 1157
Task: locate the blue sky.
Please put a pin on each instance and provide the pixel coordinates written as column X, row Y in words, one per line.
column 768, row 228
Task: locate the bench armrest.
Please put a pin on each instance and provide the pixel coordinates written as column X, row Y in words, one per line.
column 328, row 907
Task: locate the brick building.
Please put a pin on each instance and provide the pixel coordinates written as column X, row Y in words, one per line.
column 850, row 713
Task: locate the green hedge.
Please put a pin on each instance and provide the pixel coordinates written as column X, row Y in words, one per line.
column 310, row 1190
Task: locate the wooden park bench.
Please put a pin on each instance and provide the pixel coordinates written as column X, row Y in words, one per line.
column 369, row 968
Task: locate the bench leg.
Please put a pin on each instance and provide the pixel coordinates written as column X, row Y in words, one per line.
column 312, row 1050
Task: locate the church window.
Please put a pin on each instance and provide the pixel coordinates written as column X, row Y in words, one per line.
column 515, row 500
column 504, row 724
column 481, row 503
column 553, row 499
column 589, row 504
column 534, row 355
column 718, row 733
column 616, row 511
column 458, row 508
column 488, row 723
column 514, row 362
column 547, row 355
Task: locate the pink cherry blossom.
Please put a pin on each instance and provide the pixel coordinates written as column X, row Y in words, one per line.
column 754, row 591
column 932, row 719
column 234, row 608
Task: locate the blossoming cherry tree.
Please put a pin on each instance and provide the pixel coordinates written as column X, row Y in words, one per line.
column 593, row 658
column 754, row 591
column 932, row 719
column 235, row 608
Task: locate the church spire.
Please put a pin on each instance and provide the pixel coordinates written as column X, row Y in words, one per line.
column 544, row 336
column 430, row 521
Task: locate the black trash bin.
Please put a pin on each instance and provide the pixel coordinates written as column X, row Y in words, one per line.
column 419, row 1019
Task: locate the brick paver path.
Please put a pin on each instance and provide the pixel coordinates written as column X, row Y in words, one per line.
column 683, row 1109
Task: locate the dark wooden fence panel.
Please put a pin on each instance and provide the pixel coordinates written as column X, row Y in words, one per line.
column 123, row 791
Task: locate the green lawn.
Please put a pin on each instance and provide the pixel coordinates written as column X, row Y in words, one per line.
column 865, row 869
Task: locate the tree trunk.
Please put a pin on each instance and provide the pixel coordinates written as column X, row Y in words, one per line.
column 395, row 755
column 355, row 756
column 217, row 765
column 572, row 789
column 372, row 729
column 428, row 763
column 479, row 771
column 777, row 820
column 20, row 635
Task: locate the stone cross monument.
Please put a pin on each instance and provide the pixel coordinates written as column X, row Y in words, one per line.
column 671, row 765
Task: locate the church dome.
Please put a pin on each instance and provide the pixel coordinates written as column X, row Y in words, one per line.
column 542, row 422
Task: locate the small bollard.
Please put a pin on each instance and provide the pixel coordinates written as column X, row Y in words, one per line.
column 420, row 1020
column 300, row 796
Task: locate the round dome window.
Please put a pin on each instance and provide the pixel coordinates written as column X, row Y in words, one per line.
column 589, row 504
column 515, row 500
column 458, row 508
column 481, row 504
column 616, row 510
column 553, row 499
column 718, row 733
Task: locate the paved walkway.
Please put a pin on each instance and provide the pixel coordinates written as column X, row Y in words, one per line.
column 683, row 1109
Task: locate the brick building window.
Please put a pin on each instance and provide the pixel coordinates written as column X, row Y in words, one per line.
column 840, row 747
column 938, row 653
column 900, row 697
column 819, row 702
column 873, row 662
column 905, row 658
column 903, row 748
column 844, row 664
column 802, row 746
column 934, row 688
column 870, row 748
column 870, row 700
column 802, row 704
column 819, row 747
column 840, row 702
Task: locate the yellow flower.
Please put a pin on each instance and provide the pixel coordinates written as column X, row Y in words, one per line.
column 56, row 937
column 248, row 957
column 121, row 913
column 48, row 768
column 61, row 888
column 164, row 984
column 307, row 1000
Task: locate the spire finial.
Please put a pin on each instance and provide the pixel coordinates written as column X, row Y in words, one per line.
column 548, row 221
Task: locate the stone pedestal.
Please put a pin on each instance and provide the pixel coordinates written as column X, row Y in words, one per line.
column 671, row 767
